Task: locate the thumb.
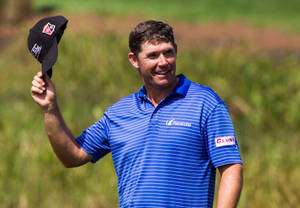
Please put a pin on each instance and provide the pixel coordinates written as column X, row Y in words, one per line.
column 47, row 79
column 48, row 82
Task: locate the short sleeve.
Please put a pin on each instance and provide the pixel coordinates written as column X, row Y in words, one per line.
column 222, row 144
column 94, row 140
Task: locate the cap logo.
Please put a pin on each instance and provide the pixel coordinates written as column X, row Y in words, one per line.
column 48, row 29
column 36, row 50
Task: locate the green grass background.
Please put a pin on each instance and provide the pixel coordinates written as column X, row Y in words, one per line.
column 259, row 12
column 92, row 72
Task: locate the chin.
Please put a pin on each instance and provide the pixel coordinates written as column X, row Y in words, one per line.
column 163, row 84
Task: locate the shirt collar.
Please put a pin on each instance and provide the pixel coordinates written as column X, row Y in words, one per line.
column 180, row 89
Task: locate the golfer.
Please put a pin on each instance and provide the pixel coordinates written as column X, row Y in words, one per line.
column 166, row 141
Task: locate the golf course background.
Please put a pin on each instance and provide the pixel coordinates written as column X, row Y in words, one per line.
column 261, row 89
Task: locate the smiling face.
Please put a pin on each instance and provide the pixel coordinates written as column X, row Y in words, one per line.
column 156, row 63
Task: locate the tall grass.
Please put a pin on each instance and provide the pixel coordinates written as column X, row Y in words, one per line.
column 262, row 13
column 92, row 72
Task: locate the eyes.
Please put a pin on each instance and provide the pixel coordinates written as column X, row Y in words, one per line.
column 170, row 53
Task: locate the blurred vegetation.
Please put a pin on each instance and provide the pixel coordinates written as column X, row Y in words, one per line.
column 261, row 13
column 92, row 72
column 14, row 11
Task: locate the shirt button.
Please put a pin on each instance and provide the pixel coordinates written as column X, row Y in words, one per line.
column 154, row 114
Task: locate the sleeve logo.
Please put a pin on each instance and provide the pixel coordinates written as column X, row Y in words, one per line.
column 225, row 141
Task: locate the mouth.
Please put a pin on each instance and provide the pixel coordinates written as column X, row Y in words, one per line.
column 163, row 72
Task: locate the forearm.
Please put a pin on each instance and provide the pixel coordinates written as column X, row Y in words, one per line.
column 62, row 140
column 230, row 186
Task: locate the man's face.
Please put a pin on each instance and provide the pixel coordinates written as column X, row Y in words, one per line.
column 156, row 63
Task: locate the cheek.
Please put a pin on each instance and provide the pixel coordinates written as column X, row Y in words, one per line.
column 148, row 65
column 172, row 60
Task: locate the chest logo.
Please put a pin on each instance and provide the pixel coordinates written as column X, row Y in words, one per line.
column 173, row 122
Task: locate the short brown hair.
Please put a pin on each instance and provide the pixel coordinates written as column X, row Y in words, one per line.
column 150, row 31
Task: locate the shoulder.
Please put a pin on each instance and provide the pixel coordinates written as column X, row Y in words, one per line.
column 203, row 94
column 124, row 104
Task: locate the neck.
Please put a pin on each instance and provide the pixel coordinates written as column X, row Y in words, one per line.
column 155, row 95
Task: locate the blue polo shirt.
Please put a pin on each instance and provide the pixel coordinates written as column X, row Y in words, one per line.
column 165, row 156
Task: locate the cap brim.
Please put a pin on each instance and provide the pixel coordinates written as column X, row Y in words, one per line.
column 50, row 59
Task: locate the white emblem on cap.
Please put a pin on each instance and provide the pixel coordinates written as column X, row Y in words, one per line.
column 36, row 50
column 48, row 29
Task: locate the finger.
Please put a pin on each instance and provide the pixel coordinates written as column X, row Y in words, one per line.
column 35, row 90
column 39, row 79
column 39, row 74
column 37, row 84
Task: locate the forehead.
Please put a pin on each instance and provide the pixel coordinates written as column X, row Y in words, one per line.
column 152, row 46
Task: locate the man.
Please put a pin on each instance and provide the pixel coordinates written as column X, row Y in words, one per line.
column 166, row 140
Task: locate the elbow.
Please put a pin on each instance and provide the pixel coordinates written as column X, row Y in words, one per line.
column 75, row 160
column 73, row 163
column 68, row 165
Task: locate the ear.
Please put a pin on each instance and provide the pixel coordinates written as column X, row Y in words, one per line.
column 133, row 60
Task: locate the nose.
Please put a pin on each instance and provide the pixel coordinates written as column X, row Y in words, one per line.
column 162, row 61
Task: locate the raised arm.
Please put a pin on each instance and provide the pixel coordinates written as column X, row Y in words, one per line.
column 61, row 138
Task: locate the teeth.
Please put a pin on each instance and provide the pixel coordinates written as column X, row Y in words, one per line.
column 162, row 72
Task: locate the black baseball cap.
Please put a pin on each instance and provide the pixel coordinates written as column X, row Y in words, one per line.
column 43, row 39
